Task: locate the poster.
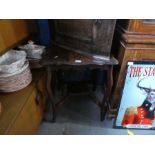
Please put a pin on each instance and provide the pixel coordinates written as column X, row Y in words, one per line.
column 137, row 104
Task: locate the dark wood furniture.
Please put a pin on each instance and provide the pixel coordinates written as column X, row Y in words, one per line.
column 92, row 37
column 134, row 40
column 59, row 58
column 22, row 111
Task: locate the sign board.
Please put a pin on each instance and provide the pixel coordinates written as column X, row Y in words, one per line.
column 137, row 105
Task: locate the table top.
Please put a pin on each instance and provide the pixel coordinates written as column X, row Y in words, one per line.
column 59, row 56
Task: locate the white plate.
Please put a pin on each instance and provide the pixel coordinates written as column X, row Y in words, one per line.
column 12, row 61
column 17, row 72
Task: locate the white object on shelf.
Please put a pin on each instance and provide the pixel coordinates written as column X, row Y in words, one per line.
column 33, row 51
column 12, row 61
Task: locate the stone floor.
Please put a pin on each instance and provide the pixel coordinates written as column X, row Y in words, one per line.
column 80, row 116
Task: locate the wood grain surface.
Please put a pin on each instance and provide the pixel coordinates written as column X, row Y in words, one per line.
column 136, row 46
column 12, row 31
column 21, row 113
column 58, row 56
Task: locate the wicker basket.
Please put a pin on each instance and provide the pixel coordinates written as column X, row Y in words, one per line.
column 16, row 82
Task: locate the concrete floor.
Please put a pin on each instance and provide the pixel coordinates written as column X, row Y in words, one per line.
column 80, row 116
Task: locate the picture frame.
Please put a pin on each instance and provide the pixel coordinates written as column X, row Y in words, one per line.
column 137, row 104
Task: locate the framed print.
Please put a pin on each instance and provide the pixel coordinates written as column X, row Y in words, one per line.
column 137, row 104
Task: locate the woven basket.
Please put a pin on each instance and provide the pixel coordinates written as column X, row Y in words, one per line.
column 16, row 82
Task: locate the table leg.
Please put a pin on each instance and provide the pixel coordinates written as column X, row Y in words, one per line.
column 50, row 93
column 105, row 101
column 94, row 72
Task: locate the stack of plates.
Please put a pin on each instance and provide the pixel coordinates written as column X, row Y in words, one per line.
column 14, row 71
column 34, row 53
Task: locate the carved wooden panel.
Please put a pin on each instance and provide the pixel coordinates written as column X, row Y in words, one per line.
column 87, row 36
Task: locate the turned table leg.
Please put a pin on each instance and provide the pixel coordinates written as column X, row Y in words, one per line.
column 50, row 93
column 105, row 101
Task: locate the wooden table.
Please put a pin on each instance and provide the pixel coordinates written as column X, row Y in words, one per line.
column 57, row 58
